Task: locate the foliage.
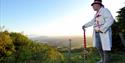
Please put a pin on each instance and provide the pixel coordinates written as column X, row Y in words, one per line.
column 17, row 48
column 45, row 54
column 19, row 39
column 6, row 45
column 121, row 20
column 119, row 27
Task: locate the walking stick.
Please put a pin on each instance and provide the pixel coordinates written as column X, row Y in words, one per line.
column 84, row 49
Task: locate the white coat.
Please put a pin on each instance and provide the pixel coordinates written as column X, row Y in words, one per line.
column 105, row 20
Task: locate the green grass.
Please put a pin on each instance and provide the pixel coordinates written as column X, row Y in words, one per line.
column 93, row 57
column 118, row 57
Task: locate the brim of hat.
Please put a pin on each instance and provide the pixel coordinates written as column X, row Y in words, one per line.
column 96, row 3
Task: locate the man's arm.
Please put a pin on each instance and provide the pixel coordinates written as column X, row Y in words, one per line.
column 89, row 23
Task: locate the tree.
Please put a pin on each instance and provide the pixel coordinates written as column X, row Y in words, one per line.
column 19, row 39
column 119, row 31
column 6, row 44
column 121, row 22
column 21, row 46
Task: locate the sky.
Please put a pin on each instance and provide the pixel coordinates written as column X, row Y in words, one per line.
column 51, row 17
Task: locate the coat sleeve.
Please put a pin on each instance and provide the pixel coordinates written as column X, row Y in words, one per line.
column 108, row 21
column 89, row 23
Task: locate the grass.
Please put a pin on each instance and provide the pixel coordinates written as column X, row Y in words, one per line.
column 118, row 57
column 93, row 57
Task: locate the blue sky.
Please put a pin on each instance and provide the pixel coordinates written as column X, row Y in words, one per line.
column 49, row 17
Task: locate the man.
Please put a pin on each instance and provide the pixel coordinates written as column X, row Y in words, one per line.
column 102, row 34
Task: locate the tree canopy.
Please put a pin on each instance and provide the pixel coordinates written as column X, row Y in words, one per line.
column 118, row 30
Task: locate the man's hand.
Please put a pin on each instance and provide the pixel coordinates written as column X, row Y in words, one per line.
column 97, row 29
column 100, row 31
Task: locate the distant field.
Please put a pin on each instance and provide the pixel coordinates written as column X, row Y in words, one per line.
column 63, row 41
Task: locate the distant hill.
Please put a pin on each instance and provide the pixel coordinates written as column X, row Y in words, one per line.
column 63, row 41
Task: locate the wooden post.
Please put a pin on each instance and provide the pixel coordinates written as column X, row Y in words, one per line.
column 69, row 51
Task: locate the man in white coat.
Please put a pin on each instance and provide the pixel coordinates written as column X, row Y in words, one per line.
column 102, row 34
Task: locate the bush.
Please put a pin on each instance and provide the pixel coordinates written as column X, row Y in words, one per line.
column 17, row 48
